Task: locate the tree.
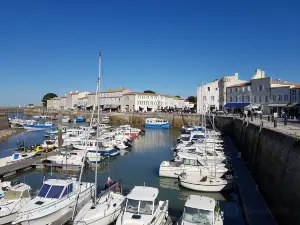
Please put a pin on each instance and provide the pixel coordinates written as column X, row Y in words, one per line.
column 177, row 96
column 149, row 91
column 46, row 97
column 192, row 99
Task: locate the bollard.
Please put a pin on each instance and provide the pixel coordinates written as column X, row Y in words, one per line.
column 260, row 117
column 251, row 117
column 272, row 118
column 275, row 123
column 268, row 118
column 285, row 121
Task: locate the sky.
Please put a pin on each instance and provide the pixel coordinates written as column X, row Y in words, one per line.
column 167, row 46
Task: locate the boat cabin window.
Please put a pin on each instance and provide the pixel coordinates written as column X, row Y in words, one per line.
column 68, row 190
column 11, row 195
column 48, row 191
column 185, row 138
column 198, row 216
column 25, row 194
column 192, row 162
column 139, row 207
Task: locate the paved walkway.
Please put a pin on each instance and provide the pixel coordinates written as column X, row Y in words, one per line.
column 292, row 128
column 255, row 208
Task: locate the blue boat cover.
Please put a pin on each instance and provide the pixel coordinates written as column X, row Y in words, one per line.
column 236, row 104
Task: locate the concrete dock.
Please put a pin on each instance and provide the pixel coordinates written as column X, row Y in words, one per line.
column 255, row 208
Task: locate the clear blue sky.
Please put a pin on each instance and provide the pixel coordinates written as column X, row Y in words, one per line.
column 164, row 45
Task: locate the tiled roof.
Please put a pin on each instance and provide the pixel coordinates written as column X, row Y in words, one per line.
column 140, row 93
column 241, row 84
column 114, row 90
column 296, row 86
column 282, row 82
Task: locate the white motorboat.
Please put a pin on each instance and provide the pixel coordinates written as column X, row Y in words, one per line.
column 190, row 165
column 48, row 144
column 206, row 183
column 16, row 197
column 16, row 157
column 105, row 211
column 201, row 210
column 143, row 207
column 74, row 157
column 55, row 202
column 66, row 119
column 105, row 119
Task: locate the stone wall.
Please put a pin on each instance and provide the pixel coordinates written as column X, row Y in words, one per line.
column 274, row 161
column 4, row 124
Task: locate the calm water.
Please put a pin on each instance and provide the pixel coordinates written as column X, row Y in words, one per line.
column 137, row 166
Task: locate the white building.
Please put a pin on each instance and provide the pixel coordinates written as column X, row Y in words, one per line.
column 72, row 98
column 138, row 101
column 271, row 96
column 56, row 103
column 213, row 95
column 109, row 99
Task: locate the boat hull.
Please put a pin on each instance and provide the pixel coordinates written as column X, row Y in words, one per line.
column 8, row 218
column 174, row 172
column 159, row 126
column 61, row 215
column 37, row 127
column 207, row 188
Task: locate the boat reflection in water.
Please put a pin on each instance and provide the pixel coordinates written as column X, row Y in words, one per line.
column 183, row 194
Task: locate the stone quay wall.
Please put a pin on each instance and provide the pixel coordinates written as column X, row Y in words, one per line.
column 273, row 158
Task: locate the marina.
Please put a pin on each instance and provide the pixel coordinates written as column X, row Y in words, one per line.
column 146, row 154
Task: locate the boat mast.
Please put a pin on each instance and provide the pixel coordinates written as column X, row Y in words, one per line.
column 84, row 158
column 98, row 121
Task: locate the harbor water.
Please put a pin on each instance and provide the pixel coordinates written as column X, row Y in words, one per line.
column 134, row 167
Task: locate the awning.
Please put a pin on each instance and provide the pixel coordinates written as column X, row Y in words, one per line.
column 237, row 104
column 277, row 105
column 114, row 106
column 293, row 105
column 107, row 106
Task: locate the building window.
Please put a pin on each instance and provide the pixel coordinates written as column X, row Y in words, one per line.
column 266, row 99
column 236, row 89
column 216, row 89
column 208, row 88
column 294, row 98
column 279, row 97
column 243, row 89
column 236, row 99
column 204, row 98
column 286, row 97
column 261, row 87
column 243, row 98
column 230, row 90
column 248, row 98
column 249, row 88
column 274, row 98
column 260, row 99
column 212, row 98
column 254, row 98
column 230, row 98
column 293, row 92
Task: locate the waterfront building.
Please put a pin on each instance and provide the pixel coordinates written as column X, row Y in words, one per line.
column 108, row 99
column 56, row 103
column 149, row 102
column 72, row 99
column 262, row 92
column 212, row 96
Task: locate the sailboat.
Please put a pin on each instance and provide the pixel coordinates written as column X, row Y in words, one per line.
column 57, row 199
column 104, row 208
column 204, row 182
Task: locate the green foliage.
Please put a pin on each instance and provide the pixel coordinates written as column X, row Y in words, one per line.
column 177, row 96
column 149, row 91
column 46, row 97
column 192, row 99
